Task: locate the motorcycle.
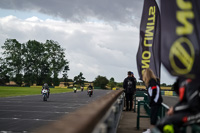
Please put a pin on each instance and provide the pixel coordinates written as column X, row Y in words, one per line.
column 75, row 90
column 45, row 94
column 90, row 93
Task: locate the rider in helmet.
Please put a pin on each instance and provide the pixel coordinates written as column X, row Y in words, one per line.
column 90, row 87
column 74, row 88
column 82, row 88
column 46, row 87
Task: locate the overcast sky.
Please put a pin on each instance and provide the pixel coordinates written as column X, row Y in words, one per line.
column 100, row 37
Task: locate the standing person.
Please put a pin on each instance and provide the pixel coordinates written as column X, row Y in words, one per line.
column 132, row 75
column 129, row 89
column 154, row 93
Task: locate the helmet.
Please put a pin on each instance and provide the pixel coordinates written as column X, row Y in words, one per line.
column 45, row 85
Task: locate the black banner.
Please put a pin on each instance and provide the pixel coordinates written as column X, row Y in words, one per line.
column 180, row 44
column 148, row 55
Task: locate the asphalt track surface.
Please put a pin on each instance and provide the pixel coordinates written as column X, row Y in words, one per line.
column 170, row 100
column 27, row 113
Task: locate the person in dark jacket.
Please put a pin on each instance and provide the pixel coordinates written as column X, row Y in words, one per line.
column 132, row 75
column 187, row 110
column 129, row 89
column 154, row 93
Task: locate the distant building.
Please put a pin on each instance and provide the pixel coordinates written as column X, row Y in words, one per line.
column 11, row 83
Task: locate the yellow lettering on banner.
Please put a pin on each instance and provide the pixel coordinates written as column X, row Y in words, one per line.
column 152, row 10
column 184, row 4
column 149, row 30
column 152, row 19
column 182, row 60
column 146, row 39
column 145, row 63
column 146, row 55
column 178, row 51
column 187, row 27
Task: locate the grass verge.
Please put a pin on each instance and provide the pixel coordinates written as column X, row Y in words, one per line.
column 6, row 91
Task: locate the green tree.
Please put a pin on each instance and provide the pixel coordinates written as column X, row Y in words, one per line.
column 35, row 59
column 65, row 76
column 120, row 84
column 43, row 62
column 33, row 62
column 4, row 78
column 112, row 83
column 13, row 56
column 101, row 81
column 163, row 84
column 79, row 79
column 56, row 58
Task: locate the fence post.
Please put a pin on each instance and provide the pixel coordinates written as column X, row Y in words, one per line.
column 138, row 116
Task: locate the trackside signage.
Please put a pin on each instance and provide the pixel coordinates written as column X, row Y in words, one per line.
column 148, row 55
column 181, row 37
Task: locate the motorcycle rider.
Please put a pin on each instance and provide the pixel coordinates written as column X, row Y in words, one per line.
column 82, row 88
column 74, row 88
column 45, row 86
column 90, row 87
column 187, row 110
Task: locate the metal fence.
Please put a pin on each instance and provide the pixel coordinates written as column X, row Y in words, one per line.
column 194, row 128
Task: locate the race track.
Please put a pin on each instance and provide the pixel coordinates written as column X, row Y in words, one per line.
column 170, row 100
column 27, row 113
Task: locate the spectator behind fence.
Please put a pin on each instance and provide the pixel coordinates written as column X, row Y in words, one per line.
column 154, row 93
column 129, row 86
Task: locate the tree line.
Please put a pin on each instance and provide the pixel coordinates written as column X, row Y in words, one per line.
column 35, row 62
column 32, row 62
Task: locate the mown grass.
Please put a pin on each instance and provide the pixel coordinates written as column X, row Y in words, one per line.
column 21, row 91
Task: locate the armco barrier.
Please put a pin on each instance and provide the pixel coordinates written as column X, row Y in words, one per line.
column 101, row 116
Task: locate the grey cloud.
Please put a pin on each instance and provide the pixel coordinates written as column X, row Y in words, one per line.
column 86, row 49
column 119, row 11
column 94, row 49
